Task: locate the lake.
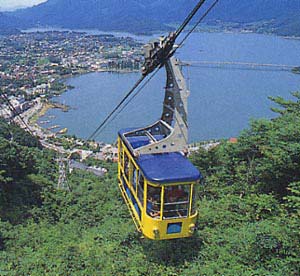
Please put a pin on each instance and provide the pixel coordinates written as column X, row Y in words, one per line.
column 222, row 101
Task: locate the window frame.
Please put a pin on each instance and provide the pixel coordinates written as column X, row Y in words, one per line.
column 186, row 203
column 160, row 209
column 140, row 178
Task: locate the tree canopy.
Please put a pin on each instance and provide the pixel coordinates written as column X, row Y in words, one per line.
column 248, row 204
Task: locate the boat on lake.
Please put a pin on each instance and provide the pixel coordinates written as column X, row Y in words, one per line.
column 62, row 131
column 53, row 127
column 44, row 122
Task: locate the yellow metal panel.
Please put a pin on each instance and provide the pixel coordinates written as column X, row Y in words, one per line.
column 162, row 202
column 129, row 181
column 150, row 227
column 129, row 154
column 130, row 206
column 191, row 198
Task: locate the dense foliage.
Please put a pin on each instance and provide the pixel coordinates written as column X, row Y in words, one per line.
column 249, row 212
column 23, row 170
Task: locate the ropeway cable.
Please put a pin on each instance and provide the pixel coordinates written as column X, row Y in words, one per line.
column 189, row 33
column 189, row 17
column 180, row 29
column 141, row 88
column 143, row 77
column 117, row 107
column 132, row 98
column 198, row 22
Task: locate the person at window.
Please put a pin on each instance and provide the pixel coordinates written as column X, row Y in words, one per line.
column 153, row 207
column 176, row 194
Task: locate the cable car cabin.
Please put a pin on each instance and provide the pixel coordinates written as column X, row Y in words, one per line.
column 159, row 190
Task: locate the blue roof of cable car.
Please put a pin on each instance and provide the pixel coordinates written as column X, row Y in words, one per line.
column 162, row 168
column 170, row 167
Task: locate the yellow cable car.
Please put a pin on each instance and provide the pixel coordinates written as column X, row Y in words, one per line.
column 159, row 190
column 156, row 179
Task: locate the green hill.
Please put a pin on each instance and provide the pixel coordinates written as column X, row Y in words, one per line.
column 249, row 211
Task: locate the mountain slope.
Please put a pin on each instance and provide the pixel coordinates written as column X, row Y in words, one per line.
column 248, row 205
column 288, row 26
column 105, row 15
column 256, row 10
column 145, row 15
column 9, row 24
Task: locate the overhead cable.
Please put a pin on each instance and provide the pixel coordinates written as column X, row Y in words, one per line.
column 117, row 107
column 140, row 89
column 180, row 29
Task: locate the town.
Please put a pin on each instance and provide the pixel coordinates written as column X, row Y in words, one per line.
column 32, row 69
column 33, row 66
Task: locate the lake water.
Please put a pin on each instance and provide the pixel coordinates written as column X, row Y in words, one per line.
column 222, row 100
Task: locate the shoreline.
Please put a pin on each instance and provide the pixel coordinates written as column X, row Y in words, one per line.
column 48, row 104
column 47, row 107
column 206, row 28
column 39, row 113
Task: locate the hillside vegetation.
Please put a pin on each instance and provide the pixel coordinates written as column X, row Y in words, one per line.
column 249, row 211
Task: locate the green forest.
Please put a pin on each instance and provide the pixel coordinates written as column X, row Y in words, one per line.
column 248, row 204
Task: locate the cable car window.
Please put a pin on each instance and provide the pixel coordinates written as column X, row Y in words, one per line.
column 194, row 205
column 134, row 178
column 153, row 201
column 176, row 201
column 126, row 166
column 141, row 188
column 121, row 154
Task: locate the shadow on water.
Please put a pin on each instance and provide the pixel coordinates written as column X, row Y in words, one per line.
column 172, row 252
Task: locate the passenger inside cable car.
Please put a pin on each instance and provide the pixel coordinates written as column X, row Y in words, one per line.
column 176, row 201
column 153, row 202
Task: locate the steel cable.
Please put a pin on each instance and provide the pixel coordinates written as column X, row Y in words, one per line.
column 131, row 99
column 180, row 29
column 198, row 22
column 117, row 107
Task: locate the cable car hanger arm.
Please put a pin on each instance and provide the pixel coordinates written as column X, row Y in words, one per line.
column 170, row 133
column 157, row 53
column 156, row 56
